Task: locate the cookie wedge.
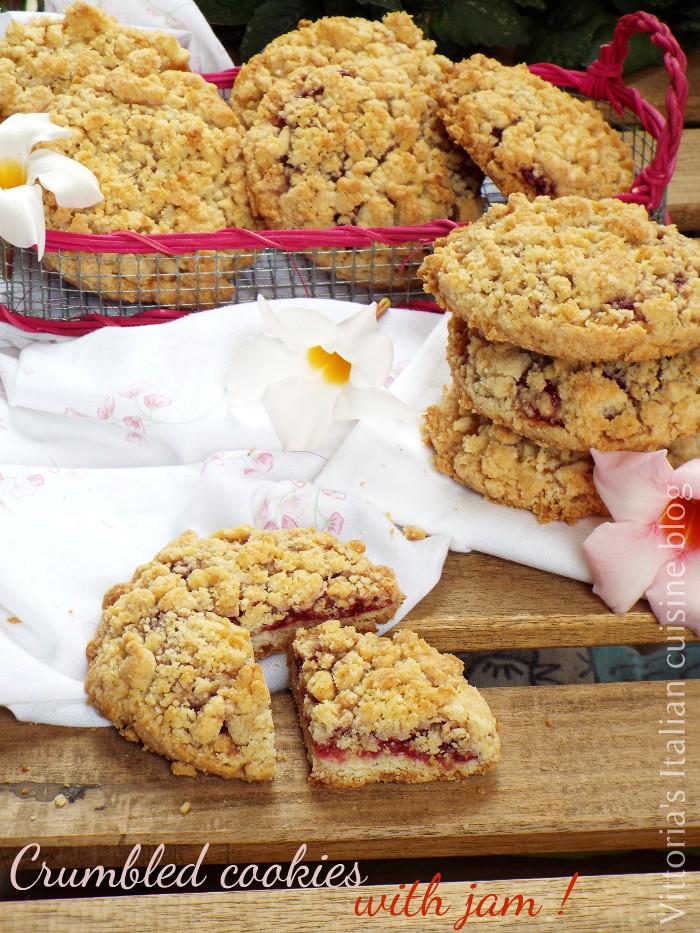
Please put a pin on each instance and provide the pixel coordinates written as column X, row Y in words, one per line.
column 184, row 683
column 377, row 709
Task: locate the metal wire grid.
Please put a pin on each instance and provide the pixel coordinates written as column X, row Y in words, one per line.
column 124, row 285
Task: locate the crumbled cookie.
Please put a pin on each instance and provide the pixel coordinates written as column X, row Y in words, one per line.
column 553, row 482
column 528, row 135
column 365, row 47
column 572, row 278
column 387, row 709
column 610, row 406
column 166, row 151
column 329, row 148
column 41, row 58
column 270, row 582
column 184, row 683
column 506, row 467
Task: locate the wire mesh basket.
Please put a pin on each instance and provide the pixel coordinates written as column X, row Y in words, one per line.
column 87, row 281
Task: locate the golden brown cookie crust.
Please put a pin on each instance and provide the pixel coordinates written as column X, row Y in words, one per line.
column 609, row 406
column 509, row 469
column 166, row 151
column 572, row 278
column 41, row 58
column 387, row 709
column 365, row 47
column 528, row 135
column 182, row 682
column 329, row 148
column 271, row 582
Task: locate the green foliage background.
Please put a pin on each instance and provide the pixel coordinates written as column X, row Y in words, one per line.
column 569, row 33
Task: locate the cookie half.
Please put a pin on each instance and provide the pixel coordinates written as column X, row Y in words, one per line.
column 609, row 406
column 272, row 582
column 184, row 683
column 387, row 709
column 528, row 135
column 572, row 278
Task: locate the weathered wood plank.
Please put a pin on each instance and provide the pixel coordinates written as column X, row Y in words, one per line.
column 581, row 768
column 606, row 902
column 485, row 603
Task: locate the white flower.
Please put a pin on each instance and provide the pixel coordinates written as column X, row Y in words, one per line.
column 310, row 372
column 21, row 211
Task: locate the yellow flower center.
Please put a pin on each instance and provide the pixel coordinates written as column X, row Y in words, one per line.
column 12, row 174
column 333, row 367
column 681, row 523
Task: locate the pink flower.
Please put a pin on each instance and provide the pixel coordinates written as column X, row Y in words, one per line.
column 133, row 438
column 135, row 423
column 652, row 546
column 135, row 389
column 269, row 526
column 334, row 494
column 156, row 401
column 288, row 521
column 104, row 413
column 35, row 479
column 74, row 413
column 261, row 463
column 335, row 523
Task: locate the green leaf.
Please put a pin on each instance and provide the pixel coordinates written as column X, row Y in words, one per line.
column 228, row 12
column 273, row 18
column 390, row 5
column 532, row 4
column 569, row 48
column 480, row 22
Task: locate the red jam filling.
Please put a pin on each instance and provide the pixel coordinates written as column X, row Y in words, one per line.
column 300, row 616
column 448, row 755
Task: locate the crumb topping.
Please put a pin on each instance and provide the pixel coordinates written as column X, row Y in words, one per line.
column 43, row 57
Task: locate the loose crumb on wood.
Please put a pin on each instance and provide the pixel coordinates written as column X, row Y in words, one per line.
column 186, row 807
column 60, row 800
column 548, row 721
column 25, row 768
column 481, row 791
column 281, row 756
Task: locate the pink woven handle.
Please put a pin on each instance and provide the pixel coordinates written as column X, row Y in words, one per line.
column 603, row 81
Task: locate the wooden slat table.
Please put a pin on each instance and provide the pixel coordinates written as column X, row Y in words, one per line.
column 582, row 770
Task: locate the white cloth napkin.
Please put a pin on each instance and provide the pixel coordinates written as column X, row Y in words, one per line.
column 393, row 471
column 112, row 444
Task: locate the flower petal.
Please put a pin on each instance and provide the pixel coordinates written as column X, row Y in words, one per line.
column 260, row 361
column 371, row 358
column 22, row 217
column 688, row 474
column 625, row 557
column 674, row 596
column 72, row 184
column 634, row 486
column 301, row 411
column 21, row 131
column 358, row 326
column 300, row 328
column 356, row 403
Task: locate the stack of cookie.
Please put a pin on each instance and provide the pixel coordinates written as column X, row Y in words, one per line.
column 575, row 325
